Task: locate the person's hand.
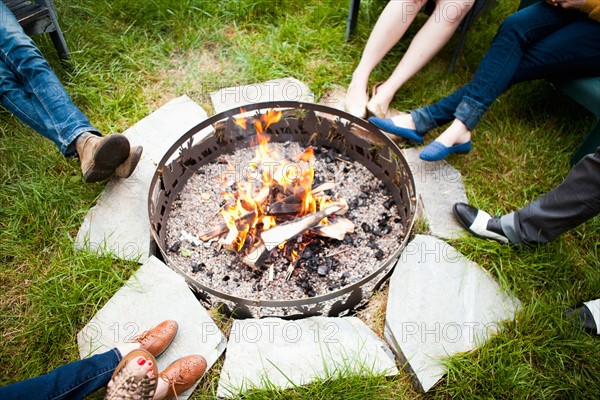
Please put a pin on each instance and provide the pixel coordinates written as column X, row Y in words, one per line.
column 567, row 4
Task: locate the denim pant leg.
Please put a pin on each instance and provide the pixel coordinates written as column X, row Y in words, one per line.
column 569, row 53
column 69, row 382
column 30, row 89
column 517, row 34
column 568, row 205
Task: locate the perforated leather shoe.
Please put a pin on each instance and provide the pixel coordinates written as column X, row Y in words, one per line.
column 183, row 374
column 157, row 339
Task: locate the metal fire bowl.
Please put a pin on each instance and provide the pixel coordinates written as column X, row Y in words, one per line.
column 309, row 124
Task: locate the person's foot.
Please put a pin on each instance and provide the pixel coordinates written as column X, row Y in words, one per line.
column 380, row 101
column 356, row 99
column 128, row 166
column 455, row 139
column 401, row 126
column 100, row 156
column 479, row 223
column 180, row 376
column 435, row 151
column 157, row 339
column 457, row 133
column 583, row 318
column 135, row 377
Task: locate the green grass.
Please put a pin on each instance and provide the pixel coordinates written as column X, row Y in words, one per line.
column 130, row 57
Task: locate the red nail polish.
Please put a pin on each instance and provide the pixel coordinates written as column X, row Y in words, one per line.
column 149, row 363
column 141, row 361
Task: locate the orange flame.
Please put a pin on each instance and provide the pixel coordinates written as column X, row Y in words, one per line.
column 253, row 197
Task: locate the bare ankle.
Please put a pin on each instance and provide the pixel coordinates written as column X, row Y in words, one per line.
column 457, row 133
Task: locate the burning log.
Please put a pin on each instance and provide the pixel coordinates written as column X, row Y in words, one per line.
column 221, row 229
column 282, row 208
column 257, row 256
column 336, row 229
column 275, row 236
column 229, row 242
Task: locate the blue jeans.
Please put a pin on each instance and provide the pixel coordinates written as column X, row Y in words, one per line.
column 31, row 91
column 68, row 382
column 537, row 42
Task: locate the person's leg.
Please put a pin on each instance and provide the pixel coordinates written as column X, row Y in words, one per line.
column 34, row 93
column 570, row 204
column 434, row 34
column 70, row 381
column 388, row 30
column 569, row 53
column 517, row 35
column 495, row 73
column 30, row 90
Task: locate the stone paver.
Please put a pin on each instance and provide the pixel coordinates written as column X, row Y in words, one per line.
column 287, row 353
column 438, row 186
column 118, row 224
column 440, row 304
column 285, row 89
column 155, row 293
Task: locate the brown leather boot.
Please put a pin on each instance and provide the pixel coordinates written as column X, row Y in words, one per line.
column 100, row 156
column 157, row 339
column 182, row 374
column 126, row 169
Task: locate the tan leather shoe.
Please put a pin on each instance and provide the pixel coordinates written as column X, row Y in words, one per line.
column 157, row 339
column 100, row 156
column 182, row 374
column 126, row 169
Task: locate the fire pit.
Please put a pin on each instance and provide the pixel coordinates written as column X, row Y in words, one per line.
column 282, row 209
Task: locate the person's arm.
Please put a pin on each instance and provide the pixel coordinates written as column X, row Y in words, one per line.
column 592, row 8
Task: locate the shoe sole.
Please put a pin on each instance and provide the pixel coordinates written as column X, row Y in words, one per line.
column 97, row 175
column 112, row 152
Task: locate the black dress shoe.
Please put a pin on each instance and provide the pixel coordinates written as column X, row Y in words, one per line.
column 479, row 223
column 583, row 318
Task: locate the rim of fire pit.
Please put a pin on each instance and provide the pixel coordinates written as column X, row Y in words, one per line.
column 184, row 158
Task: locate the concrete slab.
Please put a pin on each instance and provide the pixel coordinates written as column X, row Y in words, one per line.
column 440, row 304
column 439, row 185
column 334, row 97
column 155, row 293
column 285, row 89
column 118, row 224
column 281, row 353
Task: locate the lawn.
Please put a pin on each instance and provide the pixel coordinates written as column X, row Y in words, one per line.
column 130, row 57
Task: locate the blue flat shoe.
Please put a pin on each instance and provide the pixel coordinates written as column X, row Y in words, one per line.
column 387, row 125
column 436, row 151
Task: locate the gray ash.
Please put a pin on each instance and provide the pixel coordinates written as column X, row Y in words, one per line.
column 326, row 265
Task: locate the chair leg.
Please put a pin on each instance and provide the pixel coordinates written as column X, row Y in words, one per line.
column 464, row 29
column 352, row 17
column 57, row 37
column 589, row 145
column 60, row 44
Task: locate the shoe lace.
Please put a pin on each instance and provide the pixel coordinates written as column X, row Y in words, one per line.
column 139, row 338
column 172, row 382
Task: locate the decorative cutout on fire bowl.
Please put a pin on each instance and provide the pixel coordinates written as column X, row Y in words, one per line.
column 308, row 222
